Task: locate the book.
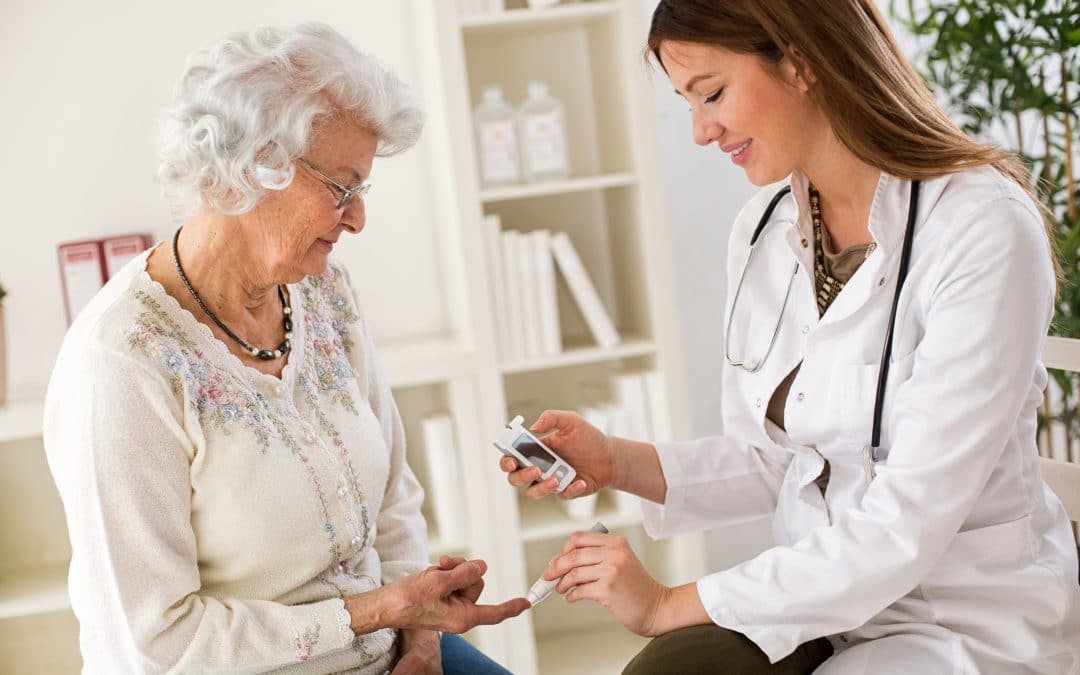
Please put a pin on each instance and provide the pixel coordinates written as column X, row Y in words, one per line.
column 444, row 478
column 630, row 396
column 530, row 291
column 656, row 401
column 119, row 251
column 547, row 308
column 82, row 274
column 493, row 235
column 513, row 313
column 581, row 287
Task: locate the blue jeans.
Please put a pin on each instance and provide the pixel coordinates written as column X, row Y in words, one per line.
column 461, row 658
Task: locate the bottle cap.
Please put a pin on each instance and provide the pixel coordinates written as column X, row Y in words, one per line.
column 538, row 89
column 492, row 93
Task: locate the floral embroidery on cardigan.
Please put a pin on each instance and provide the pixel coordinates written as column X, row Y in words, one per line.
column 306, row 642
column 219, row 398
column 327, row 317
column 218, row 401
column 328, row 372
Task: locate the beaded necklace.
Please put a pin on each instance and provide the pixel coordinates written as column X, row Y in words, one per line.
column 264, row 354
column 828, row 286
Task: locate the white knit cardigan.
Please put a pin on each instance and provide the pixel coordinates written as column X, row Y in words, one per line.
column 217, row 514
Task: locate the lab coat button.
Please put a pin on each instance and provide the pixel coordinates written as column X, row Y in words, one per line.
column 342, row 491
column 881, row 281
column 279, row 390
column 356, row 542
column 758, row 403
column 805, row 244
column 801, row 396
column 805, row 330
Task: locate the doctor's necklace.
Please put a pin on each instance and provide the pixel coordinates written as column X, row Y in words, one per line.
column 827, row 286
column 264, row 354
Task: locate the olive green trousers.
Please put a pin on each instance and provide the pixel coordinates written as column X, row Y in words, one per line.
column 712, row 649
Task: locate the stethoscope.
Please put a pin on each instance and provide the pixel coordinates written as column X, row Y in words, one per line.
column 872, row 453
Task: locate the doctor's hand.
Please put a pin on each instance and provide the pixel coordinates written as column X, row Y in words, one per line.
column 590, row 451
column 603, row 567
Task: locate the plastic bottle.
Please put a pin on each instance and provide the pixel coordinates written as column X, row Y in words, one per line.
column 543, row 135
column 497, row 140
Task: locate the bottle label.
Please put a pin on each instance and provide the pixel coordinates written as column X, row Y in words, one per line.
column 498, row 152
column 545, row 147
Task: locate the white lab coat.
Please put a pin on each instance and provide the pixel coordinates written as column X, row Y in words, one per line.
column 957, row 558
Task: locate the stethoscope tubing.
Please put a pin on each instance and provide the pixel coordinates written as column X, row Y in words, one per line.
column 886, row 352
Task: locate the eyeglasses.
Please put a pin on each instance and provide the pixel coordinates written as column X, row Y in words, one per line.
column 347, row 194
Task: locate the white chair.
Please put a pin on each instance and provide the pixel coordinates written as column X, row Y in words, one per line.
column 1063, row 477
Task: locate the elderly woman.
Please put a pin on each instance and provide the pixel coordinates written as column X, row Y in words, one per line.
column 228, row 451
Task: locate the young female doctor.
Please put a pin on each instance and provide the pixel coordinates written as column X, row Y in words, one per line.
column 885, row 316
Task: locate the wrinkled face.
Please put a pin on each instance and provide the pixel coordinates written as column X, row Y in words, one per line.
column 297, row 227
column 758, row 113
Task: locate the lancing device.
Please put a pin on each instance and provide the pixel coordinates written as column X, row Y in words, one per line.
column 543, row 588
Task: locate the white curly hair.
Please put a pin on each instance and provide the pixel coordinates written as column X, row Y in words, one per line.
column 245, row 109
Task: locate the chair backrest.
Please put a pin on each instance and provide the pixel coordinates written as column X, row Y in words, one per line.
column 1063, row 477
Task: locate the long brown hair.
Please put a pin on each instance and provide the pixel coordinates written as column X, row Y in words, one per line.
column 876, row 103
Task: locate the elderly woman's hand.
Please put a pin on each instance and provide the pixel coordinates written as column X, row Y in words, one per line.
column 421, row 653
column 442, row 597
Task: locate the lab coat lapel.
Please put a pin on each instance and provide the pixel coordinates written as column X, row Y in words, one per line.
column 877, row 275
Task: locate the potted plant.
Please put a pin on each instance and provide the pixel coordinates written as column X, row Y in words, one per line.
column 1010, row 71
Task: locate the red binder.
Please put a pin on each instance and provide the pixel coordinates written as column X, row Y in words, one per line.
column 85, row 266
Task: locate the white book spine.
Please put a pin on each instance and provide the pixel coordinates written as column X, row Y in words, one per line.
column 620, row 424
column 471, row 8
column 550, row 328
column 630, row 396
column 513, row 313
column 526, row 264
column 656, row 400
column 581, row 287
column 493, row 232
column 444, row 478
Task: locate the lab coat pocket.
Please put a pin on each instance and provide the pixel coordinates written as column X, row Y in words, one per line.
column 985, row 570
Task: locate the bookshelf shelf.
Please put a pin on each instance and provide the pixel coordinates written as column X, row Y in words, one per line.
column 557, row 187
column 526, row 19
column 606, row 651
column 21, row 420
column 37, row 590
column 627, row 348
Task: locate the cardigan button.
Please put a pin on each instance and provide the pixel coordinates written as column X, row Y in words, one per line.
column 801, row 396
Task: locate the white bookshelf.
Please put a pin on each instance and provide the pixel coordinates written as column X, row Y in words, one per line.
column 420, row 269
column 589, row 53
